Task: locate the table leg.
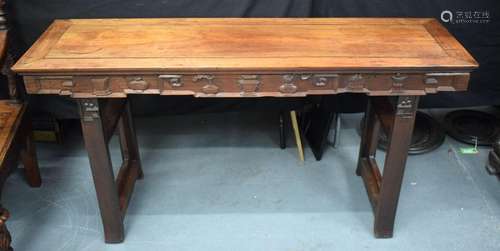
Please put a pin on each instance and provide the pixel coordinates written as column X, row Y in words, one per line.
column 383, row 190
column 282, row 130
column 131, row 169
column 28, row 154
column 102, row 169
column 369, row 137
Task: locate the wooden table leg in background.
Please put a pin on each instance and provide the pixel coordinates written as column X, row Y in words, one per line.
column 396, row 116
column 99, row 119
column 5, row 238
column 28, row 153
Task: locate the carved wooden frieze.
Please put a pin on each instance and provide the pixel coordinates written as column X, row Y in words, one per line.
column 356, row 83
column 398, row 82
column 435, row 82
column 241, row 85
column 67, row 87
column 175, row 81
column 62, row 85
column 288, row 86
column 101, row 86
column 249, row 84
column 137, row 83
column 325, row 80
column 209, row 87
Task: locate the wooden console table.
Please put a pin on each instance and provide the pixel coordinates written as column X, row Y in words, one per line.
column 100, row 62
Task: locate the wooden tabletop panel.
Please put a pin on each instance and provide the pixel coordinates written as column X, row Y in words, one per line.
column 251, row 44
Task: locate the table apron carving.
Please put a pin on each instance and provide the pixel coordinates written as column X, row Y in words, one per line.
column 247, row 84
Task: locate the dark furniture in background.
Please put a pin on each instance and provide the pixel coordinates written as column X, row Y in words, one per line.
column 494, row 159
column 15, row 133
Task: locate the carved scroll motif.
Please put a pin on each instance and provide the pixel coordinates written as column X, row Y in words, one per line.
column 288, row 87
column 406, row 106
column 249, row 84
column 137, row 84
column 67, row 87
column 398, row 81
column 322, row 80
column 209, row 88
column 356, row 82
column 89, row 109
column 65, row 83
column 101, row 86
column 175, row 81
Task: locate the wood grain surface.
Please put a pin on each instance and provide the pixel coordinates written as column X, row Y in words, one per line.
column 251, row 44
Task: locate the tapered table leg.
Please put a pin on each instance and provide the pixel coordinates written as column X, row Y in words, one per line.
column 131, row 168
column 395, row 161
column 397, row 118
column 102, row 169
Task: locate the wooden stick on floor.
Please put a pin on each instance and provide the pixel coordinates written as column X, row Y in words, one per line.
column 296, row 132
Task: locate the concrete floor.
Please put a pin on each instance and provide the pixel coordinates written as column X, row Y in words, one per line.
column 220, row 182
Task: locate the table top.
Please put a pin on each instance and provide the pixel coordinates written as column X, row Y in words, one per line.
column 245, row 44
